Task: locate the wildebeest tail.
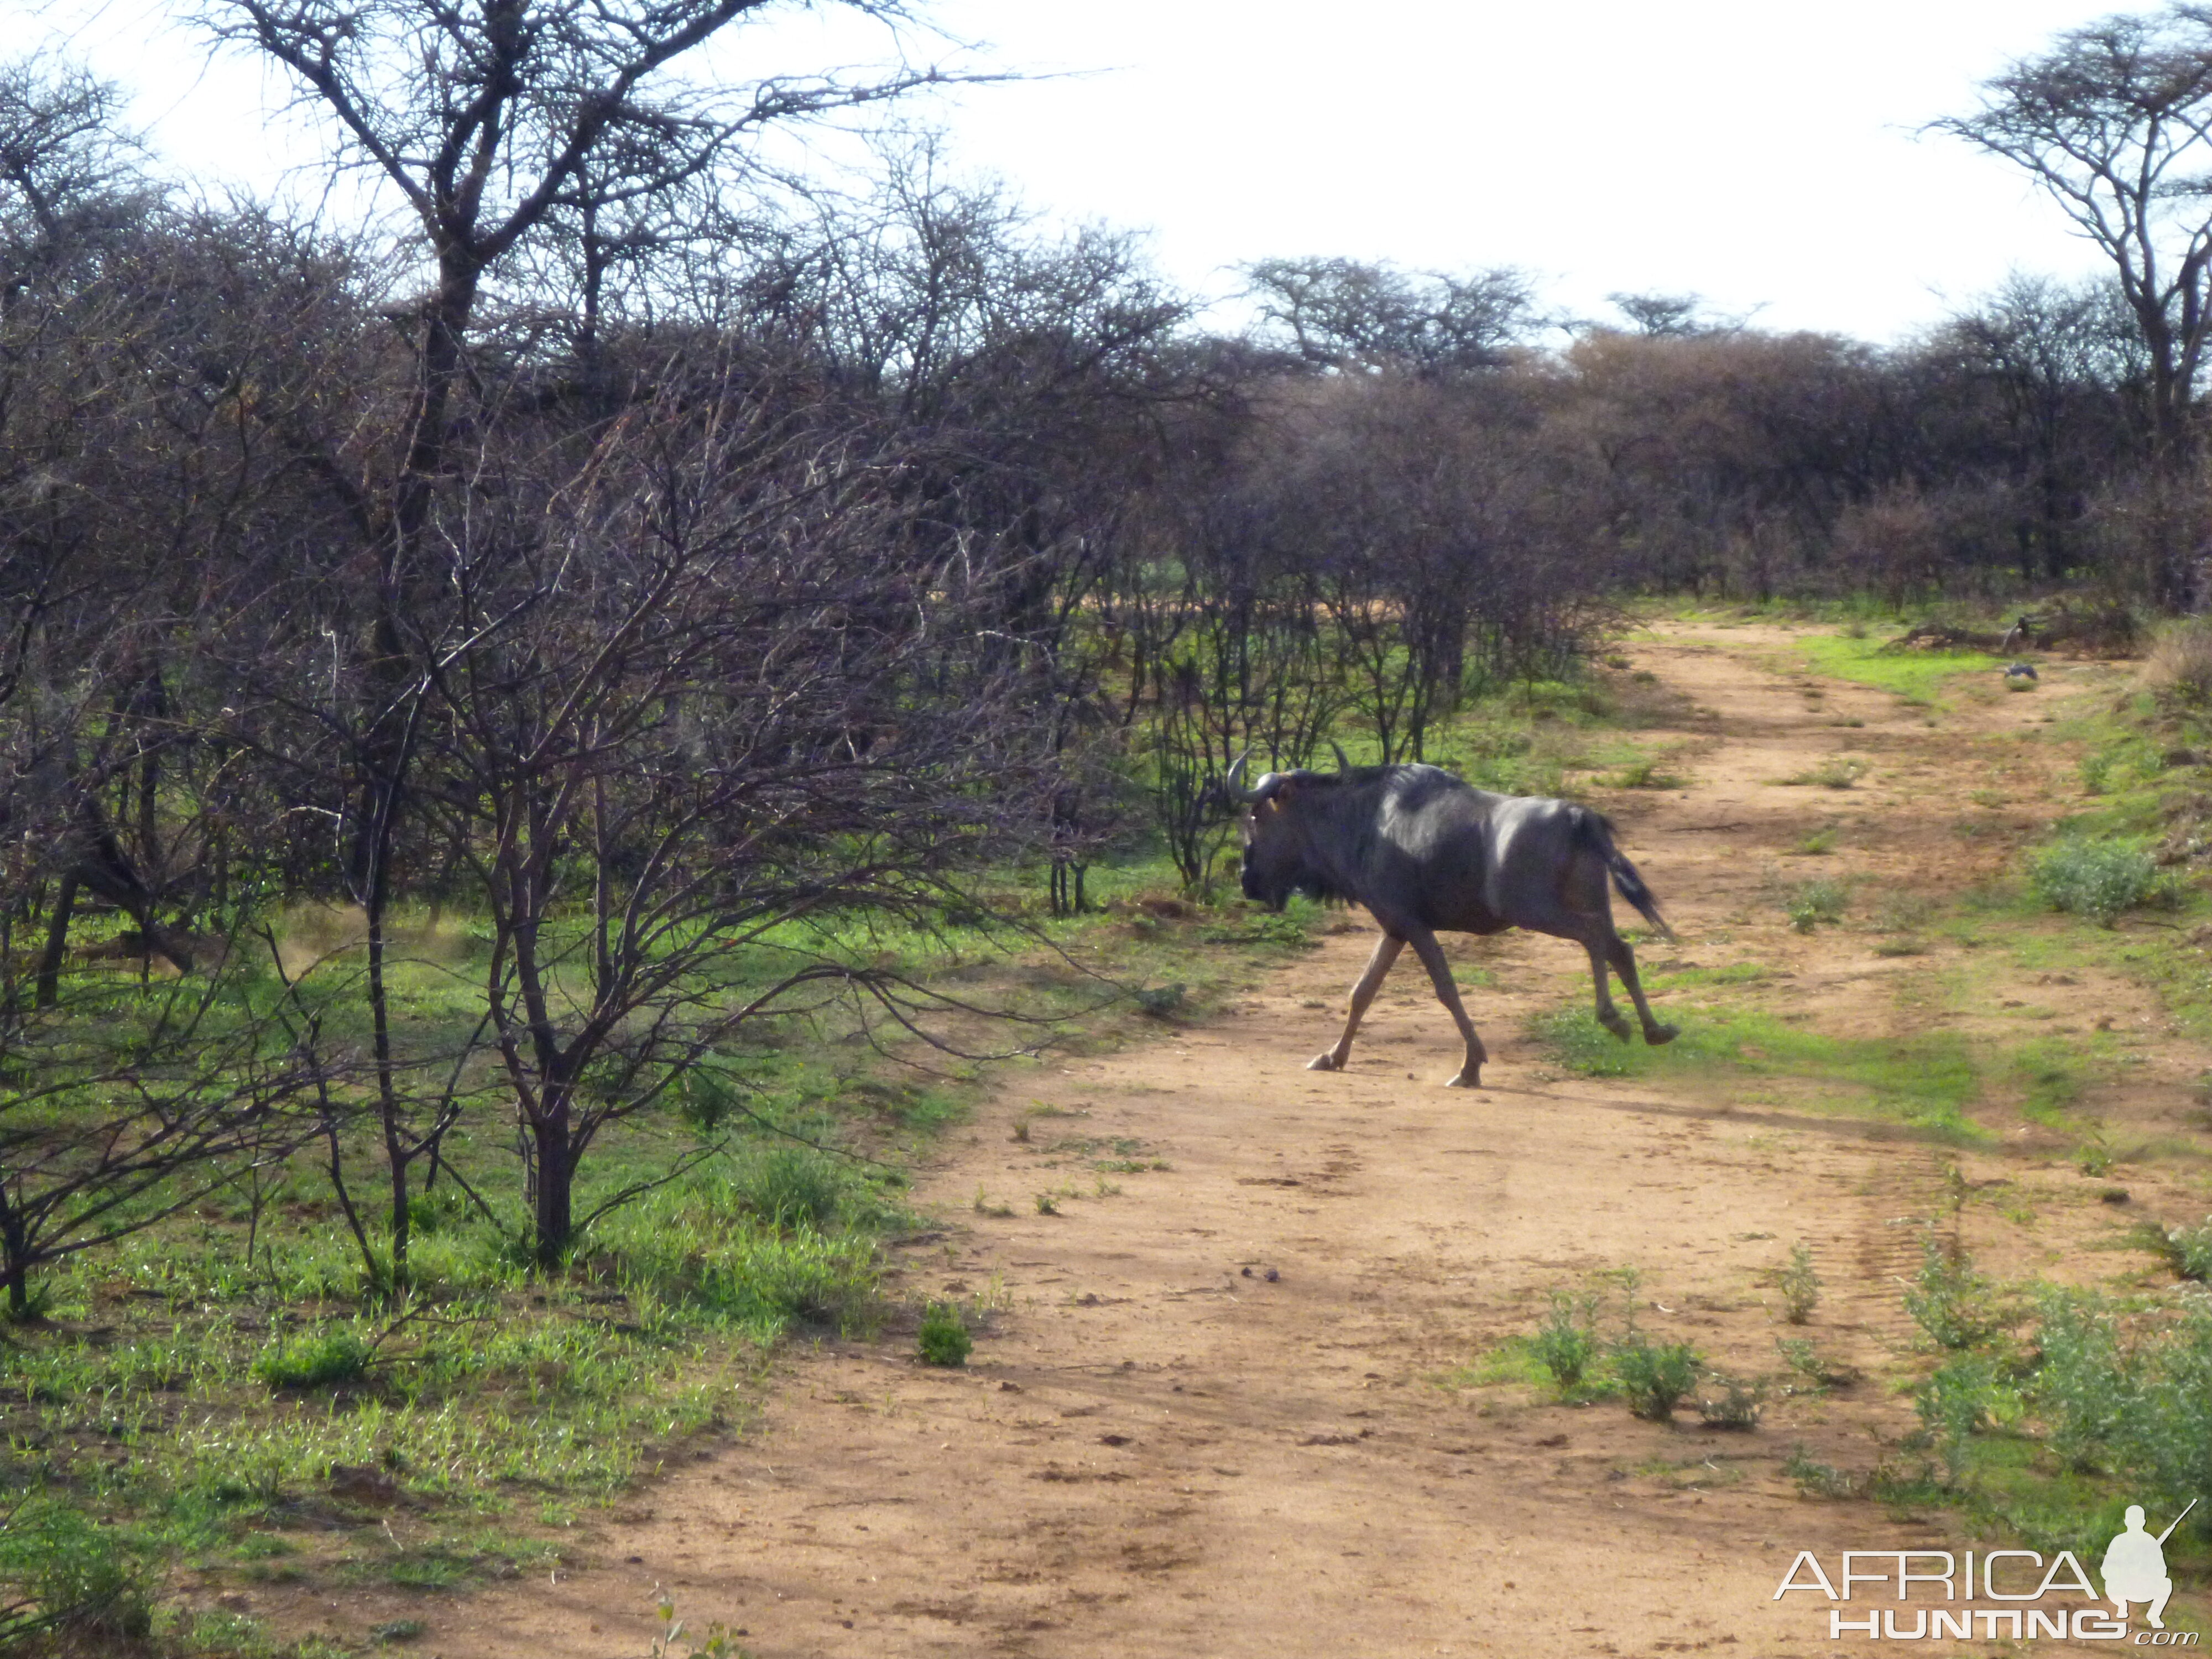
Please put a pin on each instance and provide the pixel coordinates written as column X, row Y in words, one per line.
column 1597, row 830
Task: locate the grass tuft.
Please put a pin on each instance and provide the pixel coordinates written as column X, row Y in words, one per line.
column 1815, row 902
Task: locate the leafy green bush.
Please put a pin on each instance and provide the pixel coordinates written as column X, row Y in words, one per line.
column 1963, row 1397
column 2098, row 879
column 60, row 1568
column 1655, row 1375
column 1566, row 1343
column 1950, row 1300
column 314, row 1359
column 2135, row 1401
column 944, row 1338
column 2081, row 1386
column 1800, row 1286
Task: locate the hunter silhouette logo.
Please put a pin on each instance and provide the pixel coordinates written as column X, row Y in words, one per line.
column 2032, row 1597
column 2135, row 1566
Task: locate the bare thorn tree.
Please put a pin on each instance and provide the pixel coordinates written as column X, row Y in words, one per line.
column 2115, row 123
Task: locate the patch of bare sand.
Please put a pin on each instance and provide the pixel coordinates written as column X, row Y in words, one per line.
column 1208, row 1419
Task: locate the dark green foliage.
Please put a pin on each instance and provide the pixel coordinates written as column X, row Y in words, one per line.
column 61, row 1569
column 1656, row 1376
column 315, row 1359
column 943, row 1339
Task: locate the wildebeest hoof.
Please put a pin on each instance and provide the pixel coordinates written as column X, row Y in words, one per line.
column 1616, row 1024
column 1656, row 1035
column 1326, row 1062
column 1469, row 1079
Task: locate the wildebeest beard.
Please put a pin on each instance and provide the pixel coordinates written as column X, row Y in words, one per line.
column 1304, row 881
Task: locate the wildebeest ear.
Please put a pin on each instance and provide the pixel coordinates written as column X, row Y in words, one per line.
column 1281, row 793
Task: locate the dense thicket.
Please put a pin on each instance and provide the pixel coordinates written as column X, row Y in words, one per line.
column 641, row 562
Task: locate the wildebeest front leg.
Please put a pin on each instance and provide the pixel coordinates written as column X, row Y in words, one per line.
column 1432, row 958
column 1385, row 952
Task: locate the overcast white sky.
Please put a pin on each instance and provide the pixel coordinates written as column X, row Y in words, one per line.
column 1760, row 152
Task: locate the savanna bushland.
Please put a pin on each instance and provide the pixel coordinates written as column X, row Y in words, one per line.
column 545, row 741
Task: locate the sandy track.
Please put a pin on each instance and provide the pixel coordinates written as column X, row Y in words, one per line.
column 1208, row 1422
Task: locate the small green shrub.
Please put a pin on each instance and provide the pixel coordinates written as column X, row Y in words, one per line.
column 2096, row 772
column 1566, row 1343
column 2187, row 1250
column 1807, row 1363
column 1818, row 1480
column 1166, row 1002
column 1815, row 902
column 314, row 1359
column 1836, row 772
column 1655, row 1375
column 1652, row 773
column 2098, row 879
column 1950, row 1300
column 944, row 1340
column 1799, row 1285
column 1962, row 1399
column 1731, row 1402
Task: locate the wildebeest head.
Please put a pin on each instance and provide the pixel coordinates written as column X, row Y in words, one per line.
column 1279, row 858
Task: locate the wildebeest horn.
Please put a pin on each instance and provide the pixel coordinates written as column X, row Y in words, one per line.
column 1342, row 763
column 1230, row 784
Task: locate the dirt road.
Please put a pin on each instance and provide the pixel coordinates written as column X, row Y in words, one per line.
column 1208, row 1418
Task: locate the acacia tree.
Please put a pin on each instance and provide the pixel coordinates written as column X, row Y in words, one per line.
column 706, row 686
column 508, row 132
column 1344, row 314
column 2115, row 123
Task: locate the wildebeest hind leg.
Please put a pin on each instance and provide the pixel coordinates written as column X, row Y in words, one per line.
column 1607, row 1015
column 1624, row 963
column 1385, row 952
column 1432, row 958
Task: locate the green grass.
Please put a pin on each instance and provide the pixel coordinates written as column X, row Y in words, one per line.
column 1928, row 1081
column 1921, row 675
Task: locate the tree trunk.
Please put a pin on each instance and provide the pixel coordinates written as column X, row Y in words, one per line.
column 57, row 926
column 553, row 1209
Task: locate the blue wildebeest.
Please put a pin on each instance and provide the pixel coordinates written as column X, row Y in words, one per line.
column 1426, row 853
